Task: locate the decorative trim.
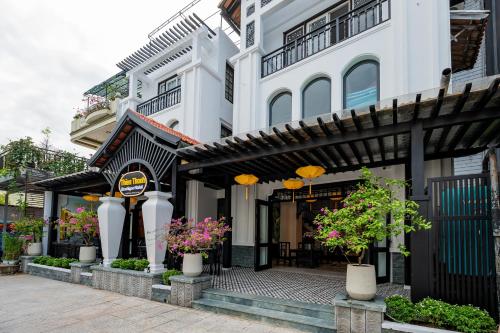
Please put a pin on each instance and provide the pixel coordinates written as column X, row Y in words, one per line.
column 264, row 2
column 250, row 9
column 250, row 35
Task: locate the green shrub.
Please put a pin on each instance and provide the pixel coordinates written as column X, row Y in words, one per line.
column 166, row 276
column 13, row 247
column 117, row 263
column 400, row 308
column 464, row 318
column 141, row 264
column 56, row 262
column 41, row 260
column 130, row 264
column 50, row 261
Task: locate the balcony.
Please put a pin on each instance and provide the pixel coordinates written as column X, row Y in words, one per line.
column 354, row 22
column 162, row 101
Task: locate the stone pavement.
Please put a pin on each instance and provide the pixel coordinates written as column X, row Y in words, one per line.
column 34, row 304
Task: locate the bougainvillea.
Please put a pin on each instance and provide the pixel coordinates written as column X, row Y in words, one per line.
column 31, row 229
column 363, row 218
column 83, row 222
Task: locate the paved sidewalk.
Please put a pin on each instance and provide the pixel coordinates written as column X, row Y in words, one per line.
column 34, row 304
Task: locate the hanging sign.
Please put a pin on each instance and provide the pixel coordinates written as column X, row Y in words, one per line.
column 133, row 183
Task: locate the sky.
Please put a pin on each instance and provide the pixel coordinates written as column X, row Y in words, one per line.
column 52, row 51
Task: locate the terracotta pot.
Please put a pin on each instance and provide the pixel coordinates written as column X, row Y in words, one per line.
column 87, row 254
column 34, row 249
column 192, row 264
column 361, row 282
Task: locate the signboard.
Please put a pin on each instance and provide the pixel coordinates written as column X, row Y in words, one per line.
column 133, row 183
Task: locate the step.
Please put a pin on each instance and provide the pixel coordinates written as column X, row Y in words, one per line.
column 278, row 318
column 320, row 311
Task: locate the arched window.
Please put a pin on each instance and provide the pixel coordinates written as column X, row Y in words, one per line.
column 173, row 124
column 280, row 109
column 362, row 84
column 316, row 97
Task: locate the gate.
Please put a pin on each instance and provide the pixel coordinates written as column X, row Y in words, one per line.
column 463, row 255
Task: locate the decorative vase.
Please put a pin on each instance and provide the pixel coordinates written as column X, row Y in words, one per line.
column 87, row 254
column 111, row 215
column 192, row 264
column 361, row 282
column 34, row 249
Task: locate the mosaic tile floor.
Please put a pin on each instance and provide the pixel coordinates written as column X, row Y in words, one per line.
column 294, row 284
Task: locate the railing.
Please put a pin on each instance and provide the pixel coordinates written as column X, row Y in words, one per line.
column 341, row 28
column 160, row 102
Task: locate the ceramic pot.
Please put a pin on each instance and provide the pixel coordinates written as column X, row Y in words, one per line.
column 34, row 249
column 192, row 264
column 361, row 282
column 111, row 215
column 87, row 254
column 10, row 262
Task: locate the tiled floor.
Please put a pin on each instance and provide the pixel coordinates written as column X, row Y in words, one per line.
column 306, row 285
column 33, row 304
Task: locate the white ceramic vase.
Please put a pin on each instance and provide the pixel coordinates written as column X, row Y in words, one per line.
column 87, row 254
column 192, row 264
column 34, row 249
column 361, row 282
column 111, row 217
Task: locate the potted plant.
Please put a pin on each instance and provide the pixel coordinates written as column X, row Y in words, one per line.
column 31, row 229
column 13, row 247
column 85, row 223
column 192, row 243
column 362, row 221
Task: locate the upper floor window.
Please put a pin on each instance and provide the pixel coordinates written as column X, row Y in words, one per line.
column 361, row 84
column 168, row 84
column 316, row 97
column 280, row 109
column 229, row 85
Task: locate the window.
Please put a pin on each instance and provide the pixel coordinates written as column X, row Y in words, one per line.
column 225, row 131
column 316, row 98
column 280, row 109
column 361, row 85
column 174, row 124
column 229, row 83
column 168, row 84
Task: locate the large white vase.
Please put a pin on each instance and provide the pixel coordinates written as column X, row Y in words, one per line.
column 34, row 249
column 111, row 216
column 192, row 264
column 361, row 282
column 157, row 215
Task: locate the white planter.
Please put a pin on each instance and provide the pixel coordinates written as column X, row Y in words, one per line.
column 111, row 216
column 34, row 249
column 192, row 264
column 157, row 215
column 87, row 254
column 361, row 282
column 10, row 262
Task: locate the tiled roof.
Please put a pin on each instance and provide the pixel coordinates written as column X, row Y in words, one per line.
column 167, row 129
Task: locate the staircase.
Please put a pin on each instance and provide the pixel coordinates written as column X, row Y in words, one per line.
column 286, row 313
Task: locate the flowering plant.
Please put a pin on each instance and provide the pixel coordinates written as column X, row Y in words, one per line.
column 82, row 222
column 202, row 236
column 362, row 220
column 30, row 229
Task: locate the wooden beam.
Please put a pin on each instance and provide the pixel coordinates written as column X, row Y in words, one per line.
column 312, row 157
column 340, row 126
column 376, row 123
column 338, row 148
column 416, row 108
column 434, row 113
column 359, row 128
column 326, row 155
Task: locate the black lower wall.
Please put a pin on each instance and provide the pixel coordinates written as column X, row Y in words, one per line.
column 243, row 256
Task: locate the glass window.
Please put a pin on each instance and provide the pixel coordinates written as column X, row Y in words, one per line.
column 361, row 85
column 168, row 84
column 225, row 131
column 280, row 109
column 316, row 98
column 229, row 84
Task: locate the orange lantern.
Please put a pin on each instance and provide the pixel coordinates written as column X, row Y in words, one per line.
column 91, row 198
column 117, row 194
column 309, row 172
column 293, row 184
column 247, row 180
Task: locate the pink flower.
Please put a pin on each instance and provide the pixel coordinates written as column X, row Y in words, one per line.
column 80, row 210
column 73, row 221
column 334, row 234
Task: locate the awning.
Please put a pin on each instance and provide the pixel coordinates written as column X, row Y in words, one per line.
column 79, row 183
column 231, row 12
column 457, row 124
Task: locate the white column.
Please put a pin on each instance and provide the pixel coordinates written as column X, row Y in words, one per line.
column 157, row 215
column 111, row 216
column 47, row 207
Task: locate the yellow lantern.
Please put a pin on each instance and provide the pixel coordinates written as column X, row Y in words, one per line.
column 91, row 198
column 247, row 180
column 309, row 172
column 117, row 194
column 133, row 201
column 293, row 184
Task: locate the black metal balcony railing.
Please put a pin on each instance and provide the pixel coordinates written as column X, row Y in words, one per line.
column 343, row 27
column 160, row 102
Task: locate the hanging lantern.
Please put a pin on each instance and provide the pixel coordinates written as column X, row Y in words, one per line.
column 247, row 180
column 133, row 201
column 117, row 194
column 310, row 172
column 91, row 198
column 293, row 184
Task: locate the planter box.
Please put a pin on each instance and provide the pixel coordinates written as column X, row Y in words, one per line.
column 8, row 269
column 25, row 260
column 49, row 272
column 126, row 282
column 161, row 293
column 393, row 327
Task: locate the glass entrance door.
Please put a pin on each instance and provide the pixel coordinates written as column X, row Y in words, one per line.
column 262, row 236
column 380, row 258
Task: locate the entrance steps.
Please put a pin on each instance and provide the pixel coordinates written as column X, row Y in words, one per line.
column 286, row 313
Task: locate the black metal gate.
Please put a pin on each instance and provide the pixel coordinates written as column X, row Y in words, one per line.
column 463, row 255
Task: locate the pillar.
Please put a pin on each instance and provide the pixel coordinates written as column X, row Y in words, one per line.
column 5, row 217
column 157, row 215
column 227, row 246
column 495, row 215
column 111, row 216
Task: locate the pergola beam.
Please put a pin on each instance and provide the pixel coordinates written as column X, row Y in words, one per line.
column 359, row 128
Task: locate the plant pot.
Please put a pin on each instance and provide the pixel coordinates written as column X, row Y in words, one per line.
column 192, row 264
column 10, row 262
column 34, row 249
column 361, row 282
column 87, row 254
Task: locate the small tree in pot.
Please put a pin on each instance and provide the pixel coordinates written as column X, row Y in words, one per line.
column 85, row 223
column 13, row 247
column 362, row 221
column 31, row 229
